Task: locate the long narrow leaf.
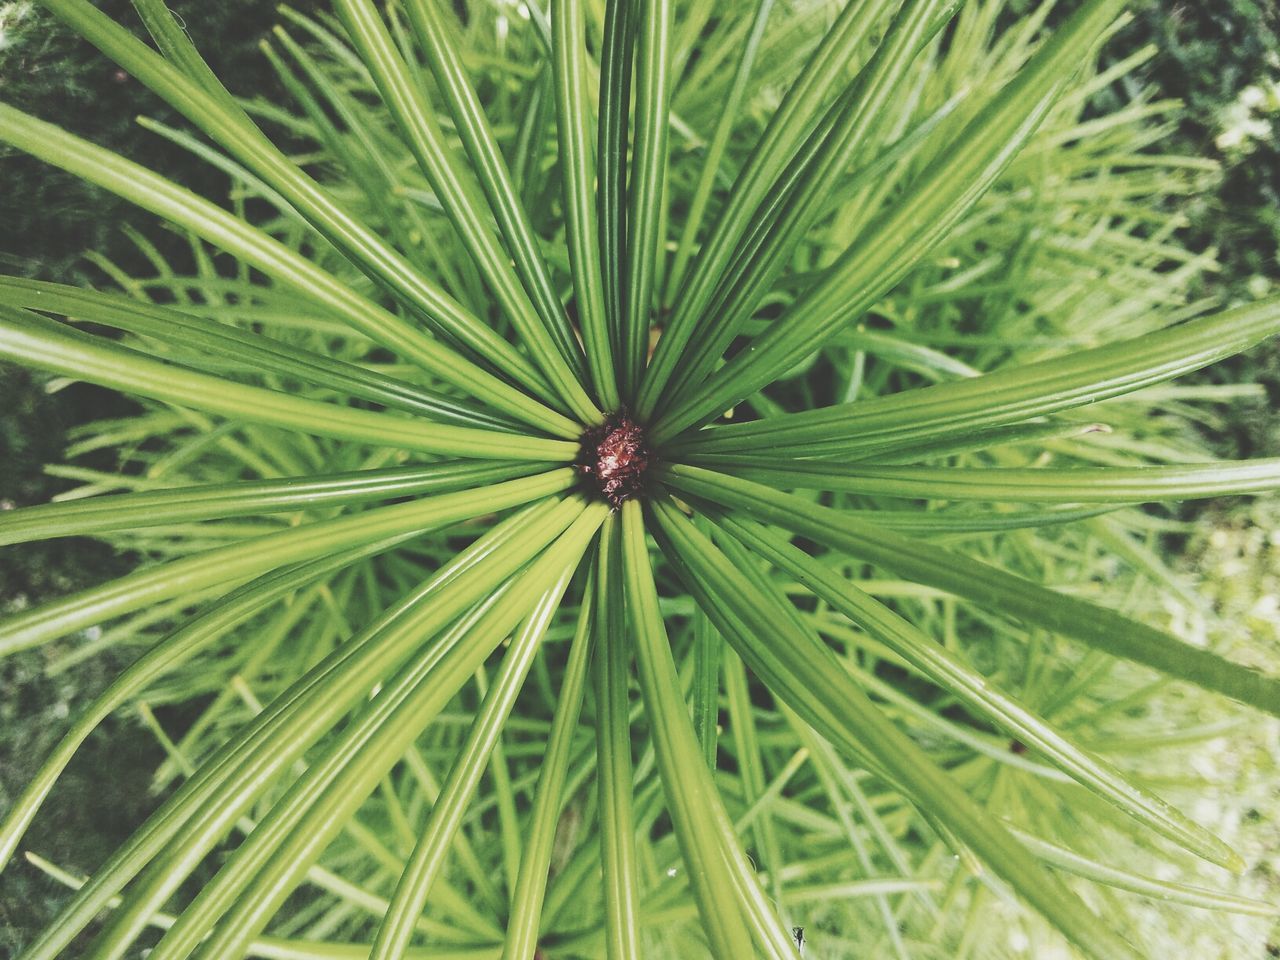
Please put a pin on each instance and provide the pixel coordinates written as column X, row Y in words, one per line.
column 800, row 196
column 964, row 576
column 206, row 806
column 230, row 127
column 716, row 149
column 891, row 246
column 1069, row 861
column 151, row 192
column 306, row 837
column 1005, row 396
column 646, row 192
column 801, row 671
column 440, row 43
column 281, row 948
column 126, row 511
column 818, row 76
column 242, row 561
column 454, row 187
column 970, row 687
column 613, row 746
column 1011, row 485
column 727, row 889
column 530, row 889
column 202, row 338
column 80, row 357
column 582, row 227
column 611, row 181
column 414, row 885
column 164, row 657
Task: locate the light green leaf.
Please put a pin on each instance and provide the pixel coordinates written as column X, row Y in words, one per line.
column 803, row 673
column 819, row 75
column 582, row 227
column 428, row 857
column 647, row 188
column 1006, row 396
column 222, row 789
column 1069, row 861
column 455, row 187
column 734, row 908
column 615, row 781
column 986, row 585
column 530, row 889
column 1011, row 485
column 801, row 193
column 951, row 674
column 165, row 199
column 441, row 43
column 202, row 339
column 239, row 562
column 176, row 649
column 94, row 360
column 77, row 518
column 188, row 91
column 933, row 203
column 276, row 855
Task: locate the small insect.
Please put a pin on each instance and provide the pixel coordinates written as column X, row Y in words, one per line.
column 797, row 934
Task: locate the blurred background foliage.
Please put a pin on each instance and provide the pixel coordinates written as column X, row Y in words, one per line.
column 1221, row 59
column 50, row 219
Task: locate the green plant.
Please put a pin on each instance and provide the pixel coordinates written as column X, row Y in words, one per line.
column 922, row 179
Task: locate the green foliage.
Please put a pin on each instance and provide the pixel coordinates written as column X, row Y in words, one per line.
column 1240, row 217
column 882, row 307
column 50, row 217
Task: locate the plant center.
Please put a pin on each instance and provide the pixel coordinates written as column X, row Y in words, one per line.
column 616, row 456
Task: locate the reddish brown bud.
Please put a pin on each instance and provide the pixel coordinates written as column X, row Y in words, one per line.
column 616, row 455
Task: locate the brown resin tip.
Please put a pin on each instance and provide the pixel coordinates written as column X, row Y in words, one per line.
column 616, row 455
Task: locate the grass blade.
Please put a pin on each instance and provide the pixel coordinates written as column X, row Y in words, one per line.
column 801, row 671
column 893, row 244
column 729, row 897
column 70, row 353
column 242, row 561
column 582, row 227
column 1005, row 396
column 987, row 586
column 646, row 191
column 549, row 799
column 613, row 748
